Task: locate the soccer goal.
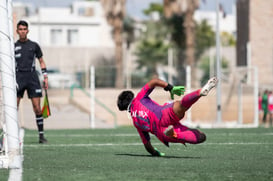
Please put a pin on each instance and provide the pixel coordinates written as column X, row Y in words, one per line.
column 239, row 101
column 3, row 133
column 10, row 152
column 240, row 98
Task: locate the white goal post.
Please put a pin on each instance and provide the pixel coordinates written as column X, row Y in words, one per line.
column 239, row 102
column 242, row 89
column 249, row 76
column 10, row 156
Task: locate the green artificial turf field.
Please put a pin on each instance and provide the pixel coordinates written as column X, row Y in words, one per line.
column 117, row 154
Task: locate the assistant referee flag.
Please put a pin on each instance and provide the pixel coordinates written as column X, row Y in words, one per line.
column 46, row 109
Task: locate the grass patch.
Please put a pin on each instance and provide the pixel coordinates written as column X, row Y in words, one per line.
column 117, row 154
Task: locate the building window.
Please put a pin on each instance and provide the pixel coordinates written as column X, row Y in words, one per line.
column 81, row 11
column 89, row 11
column 72, row 36
column 86, row 11
column 56, row 36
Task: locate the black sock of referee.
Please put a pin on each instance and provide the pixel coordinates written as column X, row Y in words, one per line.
column 40, row 125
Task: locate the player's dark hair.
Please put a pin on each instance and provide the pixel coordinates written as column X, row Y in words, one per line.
column 23, row 23
column 124, row 99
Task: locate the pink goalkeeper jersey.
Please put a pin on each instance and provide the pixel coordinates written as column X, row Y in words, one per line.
column 146, row 115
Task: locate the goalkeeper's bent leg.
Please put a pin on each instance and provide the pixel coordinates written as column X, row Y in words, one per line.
column 182, row 134
column 189, row 99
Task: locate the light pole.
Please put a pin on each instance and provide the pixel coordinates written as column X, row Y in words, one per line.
column 218, row 61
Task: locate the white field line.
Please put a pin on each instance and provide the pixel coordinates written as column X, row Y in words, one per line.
column 236, row 134
column 85, row 145
column 131, row 144
column 240, row 143
column 85, row 135
column 132, row 135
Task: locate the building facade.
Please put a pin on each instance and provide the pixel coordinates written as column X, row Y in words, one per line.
column 255, row 38
column 72, row 38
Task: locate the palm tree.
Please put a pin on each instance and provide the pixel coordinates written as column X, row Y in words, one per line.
column 205, row 38
column 152, row 46
column 115, row 12
column 187, row 8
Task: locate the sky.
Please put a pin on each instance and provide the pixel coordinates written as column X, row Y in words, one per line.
column 134, row 7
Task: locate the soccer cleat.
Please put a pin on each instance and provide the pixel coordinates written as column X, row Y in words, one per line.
column 42, row 140
column 209, row 85
column 169, row 132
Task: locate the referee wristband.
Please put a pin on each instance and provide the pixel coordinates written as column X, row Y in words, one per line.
column 169, row 87
column 44, row 71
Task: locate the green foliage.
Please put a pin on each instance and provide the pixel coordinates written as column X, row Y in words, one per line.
column 152, row 48
column 128, row 29
column 177, row 31
column 227, row 39
column 153, row 45
column 205, row 38
column 154, row 7
column 149, row 53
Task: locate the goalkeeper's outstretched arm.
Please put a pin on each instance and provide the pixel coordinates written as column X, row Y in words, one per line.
column 153, row 151
column 157, row 83
column 174, row 90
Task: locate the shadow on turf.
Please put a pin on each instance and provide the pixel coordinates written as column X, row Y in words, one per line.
column 136, row 155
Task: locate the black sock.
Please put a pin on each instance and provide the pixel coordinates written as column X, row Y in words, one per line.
column 40, row 125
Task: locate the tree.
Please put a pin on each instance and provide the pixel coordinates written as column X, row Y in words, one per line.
column 187, row 8
column 115, row 12
column 153, row 46
column 178, row 42
column 205, row 38
column 227, row 39
column 149, row 53
column 128, row 30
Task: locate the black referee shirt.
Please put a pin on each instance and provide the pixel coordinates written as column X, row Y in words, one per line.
column 25, row 54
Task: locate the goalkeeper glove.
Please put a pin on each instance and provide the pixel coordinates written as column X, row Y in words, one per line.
column 158, row 153
column 177, row 90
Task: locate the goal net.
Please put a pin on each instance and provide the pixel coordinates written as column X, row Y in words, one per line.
column 3, row 133
column 239, row 101
column 10, row 156
column 240, row 97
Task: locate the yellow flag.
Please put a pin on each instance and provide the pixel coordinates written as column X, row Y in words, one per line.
column 46, row 109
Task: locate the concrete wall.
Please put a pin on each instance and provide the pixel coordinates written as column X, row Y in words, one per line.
column 261, row 38
column 204, row 111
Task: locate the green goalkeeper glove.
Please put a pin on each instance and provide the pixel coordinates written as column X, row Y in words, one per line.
column 177, row 90
column 158, row 153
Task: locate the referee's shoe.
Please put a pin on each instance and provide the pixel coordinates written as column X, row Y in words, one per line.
column 42, row 140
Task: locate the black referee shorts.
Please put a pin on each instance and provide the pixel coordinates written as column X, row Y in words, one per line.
column 28, row 81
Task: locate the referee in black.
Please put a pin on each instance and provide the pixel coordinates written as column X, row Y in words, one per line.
column 26, row 52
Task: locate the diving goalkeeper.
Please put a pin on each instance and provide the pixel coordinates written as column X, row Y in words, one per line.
column 163, row 121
